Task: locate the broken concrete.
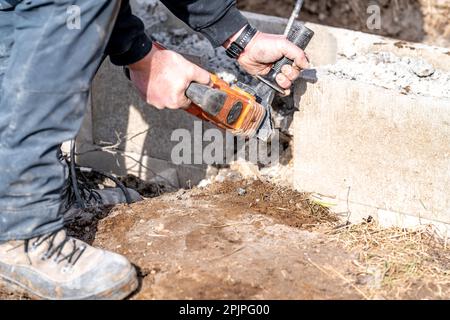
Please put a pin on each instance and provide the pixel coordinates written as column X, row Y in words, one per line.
column 385, row 69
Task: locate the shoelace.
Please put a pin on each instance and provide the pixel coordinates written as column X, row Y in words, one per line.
column 78, row 190
column 56, row 251
column 89, row 196
column 75, row 193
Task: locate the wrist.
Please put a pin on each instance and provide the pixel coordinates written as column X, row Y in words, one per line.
column 143, row 64
column 233, row 38
column 239, row 41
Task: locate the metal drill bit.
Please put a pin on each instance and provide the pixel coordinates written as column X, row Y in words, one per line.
column 294, row 16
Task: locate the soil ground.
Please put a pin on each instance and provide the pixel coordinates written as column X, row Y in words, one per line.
column 410, row 20
column 246, row 240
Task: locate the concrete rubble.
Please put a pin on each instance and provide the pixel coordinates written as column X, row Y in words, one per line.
column 385, row 69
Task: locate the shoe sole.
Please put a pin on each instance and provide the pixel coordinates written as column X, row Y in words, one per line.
column 119, row 292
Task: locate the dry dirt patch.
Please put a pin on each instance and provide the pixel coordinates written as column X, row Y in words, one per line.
column 223, row 243
column 255, row 240
column 282, row 204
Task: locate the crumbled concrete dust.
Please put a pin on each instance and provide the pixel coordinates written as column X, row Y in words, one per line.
column 403, row 74
column 243, row 240
column 385, row 69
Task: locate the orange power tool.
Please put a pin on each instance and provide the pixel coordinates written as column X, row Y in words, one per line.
column 228, row 107
column 243, row 109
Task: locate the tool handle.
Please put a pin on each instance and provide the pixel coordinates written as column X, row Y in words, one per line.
column 300, row 36
column 209, row 99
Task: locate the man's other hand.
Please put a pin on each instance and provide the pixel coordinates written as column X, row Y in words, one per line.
column 163, row 77
column 266, row 49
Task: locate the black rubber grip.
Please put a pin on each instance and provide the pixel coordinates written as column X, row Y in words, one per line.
column 300, row 36
column 209, row 99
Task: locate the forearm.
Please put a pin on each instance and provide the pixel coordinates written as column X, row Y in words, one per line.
column 217, row 20
column 128, row 42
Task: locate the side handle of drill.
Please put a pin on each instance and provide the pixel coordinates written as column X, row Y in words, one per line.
column 300, row 35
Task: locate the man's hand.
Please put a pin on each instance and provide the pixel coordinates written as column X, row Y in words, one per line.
column 264, row 50
column 163, row 77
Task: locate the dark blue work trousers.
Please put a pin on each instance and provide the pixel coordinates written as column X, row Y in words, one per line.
column 46, row 69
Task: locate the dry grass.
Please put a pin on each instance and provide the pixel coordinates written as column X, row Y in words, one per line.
column 396, row 263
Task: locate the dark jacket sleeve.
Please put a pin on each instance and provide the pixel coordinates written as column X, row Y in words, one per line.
column 217, row 20
column 128, row 42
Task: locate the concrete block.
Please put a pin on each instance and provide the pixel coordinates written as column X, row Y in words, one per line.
column 375, row 148
column 141, row 166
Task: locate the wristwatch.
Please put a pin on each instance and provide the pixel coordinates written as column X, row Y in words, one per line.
column 238, row 46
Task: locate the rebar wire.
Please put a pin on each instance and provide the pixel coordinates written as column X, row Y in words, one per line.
column 294, row 16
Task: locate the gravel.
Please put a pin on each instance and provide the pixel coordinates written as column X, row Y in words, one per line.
column 241, row 191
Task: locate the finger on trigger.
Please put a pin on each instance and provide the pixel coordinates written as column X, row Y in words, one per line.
column 183, row 101
column 186, row 104
column 290, row 72
column 296, row 67
column 283, row 81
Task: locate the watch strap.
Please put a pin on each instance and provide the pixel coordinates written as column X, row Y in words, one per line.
column 238, row 46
